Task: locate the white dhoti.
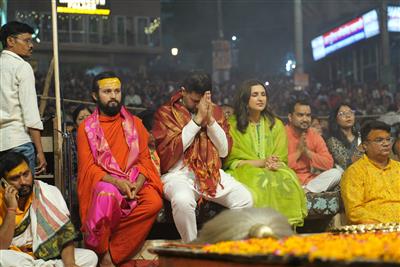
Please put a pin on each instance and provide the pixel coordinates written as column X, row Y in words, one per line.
column 325, row 181
column 48, row 203
column 11, row 258
column 181, row 190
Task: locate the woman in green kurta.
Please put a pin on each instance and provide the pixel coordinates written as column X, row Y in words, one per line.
column 260, row 153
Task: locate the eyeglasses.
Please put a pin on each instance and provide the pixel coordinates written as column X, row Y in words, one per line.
column 346, row 113
column 382, row 141
column 26, row 41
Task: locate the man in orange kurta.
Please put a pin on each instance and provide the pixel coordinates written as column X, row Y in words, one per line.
column 119, row 188
column 308, row 154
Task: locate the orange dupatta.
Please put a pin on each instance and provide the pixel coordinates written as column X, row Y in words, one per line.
column 201, row 157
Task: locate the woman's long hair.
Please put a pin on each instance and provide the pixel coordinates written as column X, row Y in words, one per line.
column 241, row 105
column 336, row 131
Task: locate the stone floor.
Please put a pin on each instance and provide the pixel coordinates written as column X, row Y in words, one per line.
column 144, row 258
column 144, row 253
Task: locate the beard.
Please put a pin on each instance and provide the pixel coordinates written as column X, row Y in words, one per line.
column 25, row 191
column 112, row 108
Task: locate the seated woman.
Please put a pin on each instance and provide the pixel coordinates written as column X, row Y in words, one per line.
column 147, row 117
column 343, row 141
column 79, row 114
column 316, row 125
column 260, row 152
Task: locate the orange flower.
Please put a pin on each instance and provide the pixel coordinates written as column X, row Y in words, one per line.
column 326, row 246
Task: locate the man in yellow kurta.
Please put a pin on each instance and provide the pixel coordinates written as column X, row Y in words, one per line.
column 371, row 185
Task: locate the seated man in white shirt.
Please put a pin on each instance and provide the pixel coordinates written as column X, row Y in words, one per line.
column 192, row 135
column 20, row 123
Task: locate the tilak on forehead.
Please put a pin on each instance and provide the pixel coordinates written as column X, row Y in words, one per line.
column 109, row 83
column 20, row 169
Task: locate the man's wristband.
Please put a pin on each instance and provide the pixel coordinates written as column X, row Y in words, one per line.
column 12, row 210
column 196, row 122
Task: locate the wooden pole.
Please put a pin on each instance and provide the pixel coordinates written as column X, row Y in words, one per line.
column 298, row 36
column 58, row 129
column 46, row 88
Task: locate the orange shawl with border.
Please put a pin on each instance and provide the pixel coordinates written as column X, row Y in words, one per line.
column 201, row 157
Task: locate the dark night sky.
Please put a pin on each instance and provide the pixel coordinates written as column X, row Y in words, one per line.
column 264, row 28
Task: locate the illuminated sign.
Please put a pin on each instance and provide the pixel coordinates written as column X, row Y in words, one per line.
column 353, row 31
column 394, row 18
column 89, row 7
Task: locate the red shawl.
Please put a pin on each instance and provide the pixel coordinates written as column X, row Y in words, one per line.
column 201, row 157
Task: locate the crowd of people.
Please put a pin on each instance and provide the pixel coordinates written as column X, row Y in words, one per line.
column 141, row 92
column 149, row 91
column 187, row 150
column 367, row 99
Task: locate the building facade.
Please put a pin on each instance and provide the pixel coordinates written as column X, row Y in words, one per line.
column 128, row 37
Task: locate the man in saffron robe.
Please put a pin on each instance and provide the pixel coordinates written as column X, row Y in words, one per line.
column 191, row 136
column 119, row 188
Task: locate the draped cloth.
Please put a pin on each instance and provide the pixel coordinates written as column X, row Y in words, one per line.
column 101, row 150
column 278, row 189
column 47, row 216
column 116, row 145
column 201, row 157
column 102, row 153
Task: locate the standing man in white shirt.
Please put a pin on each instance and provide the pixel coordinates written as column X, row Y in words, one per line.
column 20, row 123
column 192, row 136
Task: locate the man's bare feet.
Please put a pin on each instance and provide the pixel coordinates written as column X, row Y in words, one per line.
column 106, row 260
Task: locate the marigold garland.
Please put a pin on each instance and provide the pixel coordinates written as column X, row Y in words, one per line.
column 326, row 246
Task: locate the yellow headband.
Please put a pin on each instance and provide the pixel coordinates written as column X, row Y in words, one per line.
column 109, row 83
column 20, row 169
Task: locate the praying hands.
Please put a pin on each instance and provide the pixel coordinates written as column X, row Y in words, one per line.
column 205, row 109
